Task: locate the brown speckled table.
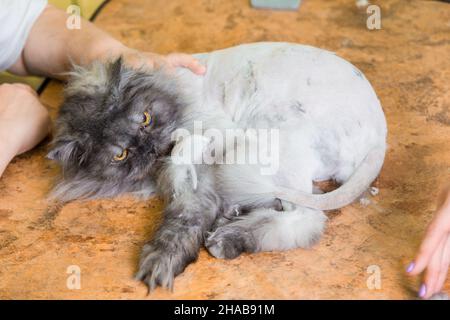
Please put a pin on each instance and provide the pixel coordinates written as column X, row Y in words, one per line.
column 407, row 62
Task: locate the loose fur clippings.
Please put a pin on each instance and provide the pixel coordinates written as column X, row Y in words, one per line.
column 115, row 135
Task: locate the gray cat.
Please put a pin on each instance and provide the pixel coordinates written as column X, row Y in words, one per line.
column 117, row 132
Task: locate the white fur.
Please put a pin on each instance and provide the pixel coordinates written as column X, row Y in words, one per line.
column 331, row 119
column 298, row 228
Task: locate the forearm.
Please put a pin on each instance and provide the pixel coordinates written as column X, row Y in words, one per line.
column 51, row 47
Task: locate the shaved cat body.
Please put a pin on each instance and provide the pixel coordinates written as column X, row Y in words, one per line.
column 115, row 135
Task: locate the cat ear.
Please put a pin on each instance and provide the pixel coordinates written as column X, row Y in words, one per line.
column 115, row 72
column 67, row 151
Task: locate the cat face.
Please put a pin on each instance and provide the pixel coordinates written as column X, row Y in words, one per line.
column 113, row 126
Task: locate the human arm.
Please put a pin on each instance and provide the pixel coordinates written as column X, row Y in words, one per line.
column 51, row 48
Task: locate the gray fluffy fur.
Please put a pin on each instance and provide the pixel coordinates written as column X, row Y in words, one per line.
column 102, row 110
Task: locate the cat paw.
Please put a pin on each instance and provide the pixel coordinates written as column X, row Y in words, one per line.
column 158, row 268
column 229, row 242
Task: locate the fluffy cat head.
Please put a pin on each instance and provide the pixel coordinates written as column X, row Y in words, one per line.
column 113, row 127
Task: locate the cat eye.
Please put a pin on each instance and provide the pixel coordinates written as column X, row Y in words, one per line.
column 122, row 156
column 147, row 119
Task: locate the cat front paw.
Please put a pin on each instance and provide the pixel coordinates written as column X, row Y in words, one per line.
column 228, row 242
column 159, row 267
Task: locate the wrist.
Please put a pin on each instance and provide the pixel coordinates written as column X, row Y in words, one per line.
column 106, row 49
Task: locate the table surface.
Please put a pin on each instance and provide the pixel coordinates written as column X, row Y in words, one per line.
column 406, row 62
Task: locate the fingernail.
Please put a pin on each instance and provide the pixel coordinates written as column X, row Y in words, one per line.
column 423, row 290
column 410, row 267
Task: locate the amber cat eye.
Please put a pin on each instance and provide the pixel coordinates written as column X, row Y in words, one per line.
column 147, row 120
column 122, row 156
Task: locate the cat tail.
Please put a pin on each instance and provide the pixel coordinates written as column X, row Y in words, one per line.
column 358, row 182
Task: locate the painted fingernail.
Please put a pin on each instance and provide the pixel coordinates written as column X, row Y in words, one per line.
column 410, row 267
column 423, row 290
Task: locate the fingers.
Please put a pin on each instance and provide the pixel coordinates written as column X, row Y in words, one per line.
column 434, row 253
column 433, row 271
column 137, row 59
column 186, row 61
column 434, row 235
column 445, row 262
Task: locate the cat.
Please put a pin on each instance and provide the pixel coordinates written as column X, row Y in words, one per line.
column 116, row 133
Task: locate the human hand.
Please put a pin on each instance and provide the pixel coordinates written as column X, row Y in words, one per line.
column 24, row 121
column 434, row 253
column 171, row 61
column 138, row 59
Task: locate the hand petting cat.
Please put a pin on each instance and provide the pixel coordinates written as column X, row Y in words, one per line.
column 171, row 61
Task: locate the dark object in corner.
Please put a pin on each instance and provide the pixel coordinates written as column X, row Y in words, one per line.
column 276, row 4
